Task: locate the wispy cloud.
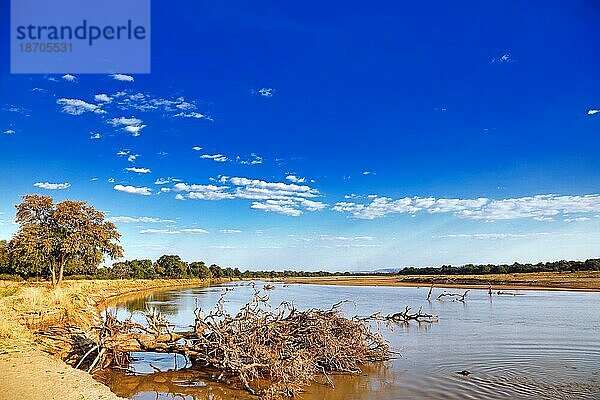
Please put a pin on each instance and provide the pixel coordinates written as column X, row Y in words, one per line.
column 102, row 98
column 132, row 125
column 69, row 78
column 230, row 231
column 9, row 132
column 95, row 136
column 196, row 148
column 122, row 77
column 492, row 236
column 189, row 231
column 593, row 111
column 538, row 207
column 215, row 157
column 295, row 179
column 192, row 114
column 266, row 92
column 78, row 106
column 138, row 170
column 503, row 59
column 254, row 159
column 52, row 186
column 143, row 220
column 203, row 192
column 284, row 207
column 144, row 191
column 283, row 198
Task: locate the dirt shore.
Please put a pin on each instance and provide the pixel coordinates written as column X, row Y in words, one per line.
column 28, row 370
column 578, row 281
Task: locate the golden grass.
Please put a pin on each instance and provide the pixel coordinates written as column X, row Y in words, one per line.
column 26, row 306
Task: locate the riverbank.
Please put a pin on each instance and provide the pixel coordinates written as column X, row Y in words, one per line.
column 30, row 371
column 578, row 281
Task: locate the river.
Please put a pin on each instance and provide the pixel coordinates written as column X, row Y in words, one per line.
column 537, row 345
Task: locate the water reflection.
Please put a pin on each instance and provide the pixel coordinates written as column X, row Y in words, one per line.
column 542, row 345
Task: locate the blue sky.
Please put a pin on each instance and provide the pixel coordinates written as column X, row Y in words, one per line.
column 340, row 136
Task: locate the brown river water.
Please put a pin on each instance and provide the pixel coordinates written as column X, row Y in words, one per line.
column 538, row 345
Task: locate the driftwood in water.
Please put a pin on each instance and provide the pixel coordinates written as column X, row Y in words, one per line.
column 430, row 291
column 500, row 293
column 454, row 296
column 403, row 316
column 269, row 352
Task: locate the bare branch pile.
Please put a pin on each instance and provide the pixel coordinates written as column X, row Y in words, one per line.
column 272, row 353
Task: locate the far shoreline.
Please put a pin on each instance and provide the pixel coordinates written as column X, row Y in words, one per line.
column 588, row 281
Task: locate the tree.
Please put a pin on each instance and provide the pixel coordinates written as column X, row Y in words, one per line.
column 171, row 266
column 199, row 270
column 56, row 234
column 4, row 258
column 215, row 271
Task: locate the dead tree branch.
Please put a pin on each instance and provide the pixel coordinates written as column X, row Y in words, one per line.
column 454, row 296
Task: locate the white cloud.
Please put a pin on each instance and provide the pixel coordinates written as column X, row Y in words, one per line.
column 202, row 192
column 122, row 77
column 162, row 181
column 279, row 197
column 144, row 191
column 577, row 219
column 52, row 186
column 102, row 98
column 138, row 170
column 192, row 114
column 230, row 231
column 131, row 157
column 295, row 179
column 69, row 78
column 144, row 220
column 504, row 59
column 132, row 125
column 593, row 111
column 345, row 238
column 368, row 173
column 190, row 231
column 492, row 236
column 540, row 207
column 311, row 205
column 277, row 206
column 78, row 107
column 254, row 159
column 95, row 135
column 9, row 132
column 179, row 106
column 215, row 157
column 197, row 148
column 266, row 92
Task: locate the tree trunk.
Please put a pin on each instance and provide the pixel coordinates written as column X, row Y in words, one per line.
column 60, row 272
column 53, row 275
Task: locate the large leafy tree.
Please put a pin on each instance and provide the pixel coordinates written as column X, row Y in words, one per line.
column 171, row 266
column 53, row 235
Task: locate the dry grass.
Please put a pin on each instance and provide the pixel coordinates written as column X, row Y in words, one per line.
column 27, row 306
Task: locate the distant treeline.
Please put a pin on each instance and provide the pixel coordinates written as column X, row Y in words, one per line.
column 516, row 268
column 173, row 267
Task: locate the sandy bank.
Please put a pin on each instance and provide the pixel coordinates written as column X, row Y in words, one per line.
column 577, row 281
